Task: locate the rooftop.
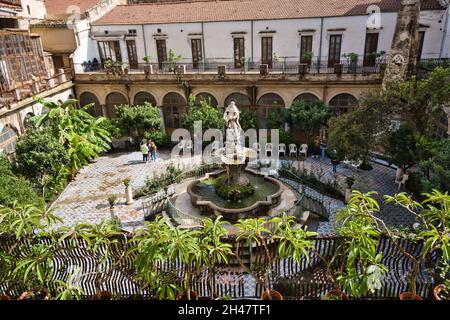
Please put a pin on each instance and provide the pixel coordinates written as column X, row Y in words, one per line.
column 60, row 7
column 239, row 10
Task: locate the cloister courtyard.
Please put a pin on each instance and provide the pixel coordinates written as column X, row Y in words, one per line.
column 86, row 198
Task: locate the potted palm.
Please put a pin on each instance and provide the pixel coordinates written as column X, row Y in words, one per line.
column 148, row 69
column 433, row 232
column 355, row 267
column 442, row 291
column 29, row 263
column 110, row 66
column 292, row 242
column 103, row 242
column 125, row 68
column 303, row 67
column 361, row 270
column 172, row 59
column 68, row 290
column 352, row 61
column 216, row 251
column 149, row 251
column 36, row 270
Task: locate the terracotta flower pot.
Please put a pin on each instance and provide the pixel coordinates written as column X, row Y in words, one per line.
column 409, row 296
column 274, row 295
column 102, row 295
column 437, row 291
column 184, row 295
column 4, row 297
column 335, row 294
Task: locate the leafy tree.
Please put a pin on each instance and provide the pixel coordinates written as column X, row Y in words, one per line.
column 81, row 134
column 418, row 102
column 40, row 156
column 211, row 117
column 16, row 189
column 402, row 147
column 136, row 120
column 437, row 167
column 159, row 137
column 248, row 119
column 309, row 116
column 276, row 118
column 353, row 134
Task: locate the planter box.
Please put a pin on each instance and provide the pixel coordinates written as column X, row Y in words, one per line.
column 222, row 70
column 264, row 69
column 181, row 69
column 148, row 70
column 303, row 68
column 338, row 68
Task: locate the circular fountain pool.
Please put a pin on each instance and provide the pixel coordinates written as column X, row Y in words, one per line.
column 266, row 196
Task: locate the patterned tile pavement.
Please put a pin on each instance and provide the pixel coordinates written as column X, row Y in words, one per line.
column 381, row 179
column 85, row 199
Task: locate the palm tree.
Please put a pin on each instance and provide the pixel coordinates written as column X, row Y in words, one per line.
column 77, row 130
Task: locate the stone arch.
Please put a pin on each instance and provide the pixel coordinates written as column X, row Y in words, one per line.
column 267, row 102
column 90, row 98
column 8, row 138
column 242, row 100
column 143, row 96
column 206, row 96
column 307, row 97
column 26, row 119
column 343, row 103
column 174, row 107
column 112, row 100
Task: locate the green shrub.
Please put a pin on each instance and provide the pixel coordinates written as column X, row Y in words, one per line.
column 43, row 160
column 16, row 189
column 248, row 119
column 159, row 137
column 232, row 192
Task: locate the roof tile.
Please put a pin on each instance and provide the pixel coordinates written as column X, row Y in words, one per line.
column 238, row 10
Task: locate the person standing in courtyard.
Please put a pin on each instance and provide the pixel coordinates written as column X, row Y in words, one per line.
column 334, row 162
column 144, row 150
column 153, row 150
column 323, row 147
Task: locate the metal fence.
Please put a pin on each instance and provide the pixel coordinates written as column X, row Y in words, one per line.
column 304, row 280
column 283, row 65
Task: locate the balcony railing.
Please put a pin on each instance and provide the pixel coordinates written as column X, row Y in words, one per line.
column 282, row 66
column 27, row 89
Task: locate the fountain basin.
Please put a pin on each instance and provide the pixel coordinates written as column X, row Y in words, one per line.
column 267, row 195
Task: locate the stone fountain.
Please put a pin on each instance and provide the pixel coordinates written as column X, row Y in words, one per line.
column 261, row 192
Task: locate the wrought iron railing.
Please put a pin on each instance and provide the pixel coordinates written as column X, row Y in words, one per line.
column 285, row 65
column 27, row 89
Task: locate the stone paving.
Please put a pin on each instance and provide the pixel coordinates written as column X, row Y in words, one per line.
column 381, row 179
column 85, row 199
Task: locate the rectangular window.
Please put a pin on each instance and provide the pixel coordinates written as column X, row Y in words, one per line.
column 267, row 51
column 334, row 54
column 161, row 51
column 109, row 50
column 239, row 52
column 371, row 49
column 132, row 54
column 196, row 46
column 306, row 49
column 420, row 44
